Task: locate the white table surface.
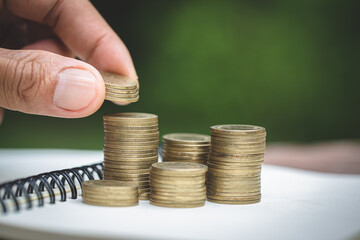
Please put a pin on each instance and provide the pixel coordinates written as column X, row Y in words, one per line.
column 295, row 204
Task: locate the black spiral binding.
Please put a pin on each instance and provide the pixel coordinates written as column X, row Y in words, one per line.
column 46, row 182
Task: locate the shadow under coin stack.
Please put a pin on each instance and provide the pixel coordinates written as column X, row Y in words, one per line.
column 178, row 184
column 235, row 160
column 119, row 88
column 130, row 147
column 185, row 147
column 110, row 193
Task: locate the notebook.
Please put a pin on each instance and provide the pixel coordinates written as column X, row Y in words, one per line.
column 295, row 204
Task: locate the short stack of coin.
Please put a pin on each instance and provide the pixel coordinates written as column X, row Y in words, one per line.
column 119, row 88
column 130, row 147
column 235, row 160
column 178, row 184
column 185, row 147
column 110, row 193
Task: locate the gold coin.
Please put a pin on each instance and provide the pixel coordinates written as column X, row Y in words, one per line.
column 228, row 198
column 237, row 139
column 124, row 147
column 229, row 184
column 113, row 185
column 131, row 131
column 234, row 201
column 184, row 154
column 233, row 162
column 131, row 171
column 111, row 204
column 174, row 181
column 184, row 157
column 124, row 158
column 133, row 135
column 131, row 116
column 187, row 138
column 159, row 178
column 119, row 81
column 126, row 166
column 186, row 160
column 237, row 129
column 128, row 175
column 186, row 150
column 114, row 90
column 126, row 139
column 237, row 151
column 114, row 124
column 177, row 198
column 233, row 193
column 236, row 156
column 178, row 187
column 236, row 148
column 235, row 172
column 235, row 165
column 176, row 205
column 120, row 94
column 115, row 99
column 144, row 197
column 242, row 143
column 175, row 159
column 231, row 146
column 233, row 175
column 178, row 168
column 186, row 192
column 125, row 176
column 130, row 144
column 187, row 145
column 120, row 152
column 121, row 130
column 126, row 179
column 111, row 197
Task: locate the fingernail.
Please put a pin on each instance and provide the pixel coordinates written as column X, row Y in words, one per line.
column 75, row 90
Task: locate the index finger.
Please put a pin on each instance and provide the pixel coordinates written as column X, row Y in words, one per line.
column 83, row 30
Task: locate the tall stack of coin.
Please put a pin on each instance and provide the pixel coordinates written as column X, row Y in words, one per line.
column 178, row 184
column 110, row 193
column 119, row 88
column 236, row 157
column 130, row 147
column 185, row 147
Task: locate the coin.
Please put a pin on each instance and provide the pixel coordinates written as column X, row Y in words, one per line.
column 118, row 81
column 109, row 193
column 172, row 204
column 174, row 168
column 187, row 137
column 255, row 200
column 234, row 165
column 177, row 184
column 237, row 129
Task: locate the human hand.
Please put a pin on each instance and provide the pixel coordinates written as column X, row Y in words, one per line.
column 43, row 77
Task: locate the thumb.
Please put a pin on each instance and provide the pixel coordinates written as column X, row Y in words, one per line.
column 44, row 83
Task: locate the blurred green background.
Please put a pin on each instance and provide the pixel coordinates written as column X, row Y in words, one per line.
column 290, row 66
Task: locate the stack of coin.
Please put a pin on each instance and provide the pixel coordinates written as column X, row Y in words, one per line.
column 130, row 147
column 235, row 160
column 185, row 147
column 110, row 193
column 119, row 88
column 178, row 184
